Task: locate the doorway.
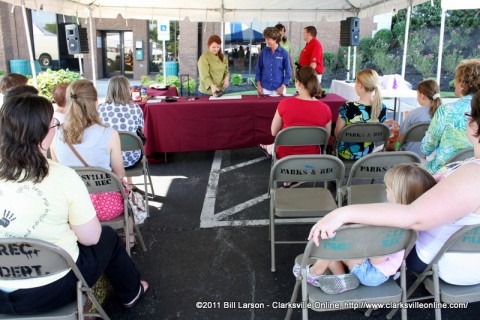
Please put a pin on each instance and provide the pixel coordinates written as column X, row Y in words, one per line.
column 117, row 53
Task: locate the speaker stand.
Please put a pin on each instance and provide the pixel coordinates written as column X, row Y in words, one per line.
column 80, row 56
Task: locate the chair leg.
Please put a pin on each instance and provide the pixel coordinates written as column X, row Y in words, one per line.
column 272, row 244
column 126, row 230
column 436, row 293
column 145, row 186
column 303, row 272
column 294, row 298
column 138, row 234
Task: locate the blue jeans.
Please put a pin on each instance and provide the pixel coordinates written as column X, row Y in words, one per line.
column 367, row 274
column 107, row 256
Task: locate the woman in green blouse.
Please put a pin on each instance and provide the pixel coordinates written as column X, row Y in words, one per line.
column 213, row 68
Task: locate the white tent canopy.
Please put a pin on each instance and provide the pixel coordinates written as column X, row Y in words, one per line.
column 221, row 10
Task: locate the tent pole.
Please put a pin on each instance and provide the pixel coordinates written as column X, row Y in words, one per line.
column 348, row 62
column 250, row 45
column 93, row 47
column 29, row 43
column 440, row 45
column 405, row 41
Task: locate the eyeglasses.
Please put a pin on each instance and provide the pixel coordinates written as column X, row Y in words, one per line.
column 468, row 115
column 57, row 123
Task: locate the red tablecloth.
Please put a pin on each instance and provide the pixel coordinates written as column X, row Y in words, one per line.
column 203, row 125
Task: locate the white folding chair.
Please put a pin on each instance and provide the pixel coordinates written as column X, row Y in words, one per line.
column 43, row 258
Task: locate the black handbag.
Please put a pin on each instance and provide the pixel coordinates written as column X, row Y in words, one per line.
column 141, row 136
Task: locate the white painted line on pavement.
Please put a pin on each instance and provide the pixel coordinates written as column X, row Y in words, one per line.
column 208, row 209
column 243, row 164
column 240, row 207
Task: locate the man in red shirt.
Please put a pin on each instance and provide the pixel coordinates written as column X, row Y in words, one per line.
column 312, row 54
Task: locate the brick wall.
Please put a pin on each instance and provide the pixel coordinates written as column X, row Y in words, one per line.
column 188, row 47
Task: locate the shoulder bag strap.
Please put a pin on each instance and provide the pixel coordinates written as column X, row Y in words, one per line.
column 77, row 154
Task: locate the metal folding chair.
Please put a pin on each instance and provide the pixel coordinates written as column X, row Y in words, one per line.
column 98, row 180
column 46, row 259
column 354, row 242
column 461, row 155
column 372, row 167
column 465, row 240
column 361, row 133
column 131, row 142
column 302, row 205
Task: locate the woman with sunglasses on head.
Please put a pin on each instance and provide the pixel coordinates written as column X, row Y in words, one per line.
column 53, row 198
column 446, row 133
column 286, row 44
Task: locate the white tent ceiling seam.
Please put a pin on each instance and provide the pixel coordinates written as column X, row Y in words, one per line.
column 223, row 10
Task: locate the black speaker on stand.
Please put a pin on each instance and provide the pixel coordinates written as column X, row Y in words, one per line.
column 350, row 32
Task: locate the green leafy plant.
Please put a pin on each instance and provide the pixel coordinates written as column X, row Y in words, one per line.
column 159, row 78
column 328, row 60
column 386, row 63
column 343, row 56
column 424, row 64
column 451, row 60
column 365, row 47
column 2, row 72
column 145, row 81
column 236, row 79
column 383, row 39
column 171, row 80
column 190, row 85
column 451, row 83
column 48, row 79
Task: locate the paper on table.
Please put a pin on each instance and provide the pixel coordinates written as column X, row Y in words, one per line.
column 225, row 98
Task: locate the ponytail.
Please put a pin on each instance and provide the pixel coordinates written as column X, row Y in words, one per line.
column 376, row 104
column 437, row 102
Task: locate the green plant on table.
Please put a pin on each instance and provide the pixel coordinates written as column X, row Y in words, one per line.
column 49, row 79
column 236, row 79
column 145, row 81
column 190, row 85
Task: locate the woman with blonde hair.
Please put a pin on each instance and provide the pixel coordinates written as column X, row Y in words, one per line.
column 213, row 68
column 97, row 145
column 368, row 108
column 122, row 114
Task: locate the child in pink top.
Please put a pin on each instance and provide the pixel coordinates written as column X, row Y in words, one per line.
column 405, row 183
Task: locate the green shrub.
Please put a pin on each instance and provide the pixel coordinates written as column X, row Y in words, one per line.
column 343, row 56
column 236, row 79
column 328, row 60
column 451, row 60
column 383, row 39
column 190, row 85
column 451, row 83
column 159, row 78
column 398, row 31
column 48, row 79
column 145, row 81
column 424, row 64
column 2, row 72
column 365, row 47
column 386, row 63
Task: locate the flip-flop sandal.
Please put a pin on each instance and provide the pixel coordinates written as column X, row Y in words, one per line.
column 143, row 291
column 336, row 284
column 265, row 152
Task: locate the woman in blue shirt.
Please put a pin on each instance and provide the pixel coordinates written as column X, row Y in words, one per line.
column 273, row 70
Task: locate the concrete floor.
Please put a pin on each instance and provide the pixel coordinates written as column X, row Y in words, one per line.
column 213, row 251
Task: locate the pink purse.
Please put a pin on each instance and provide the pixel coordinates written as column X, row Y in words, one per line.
column 108, row 205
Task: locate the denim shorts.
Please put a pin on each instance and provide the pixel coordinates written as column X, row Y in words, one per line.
column 368, row 274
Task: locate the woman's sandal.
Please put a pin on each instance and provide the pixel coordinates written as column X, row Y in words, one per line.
column 265, row 151
column 144, row 286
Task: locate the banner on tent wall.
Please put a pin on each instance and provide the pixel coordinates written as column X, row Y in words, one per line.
column 163, row 30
